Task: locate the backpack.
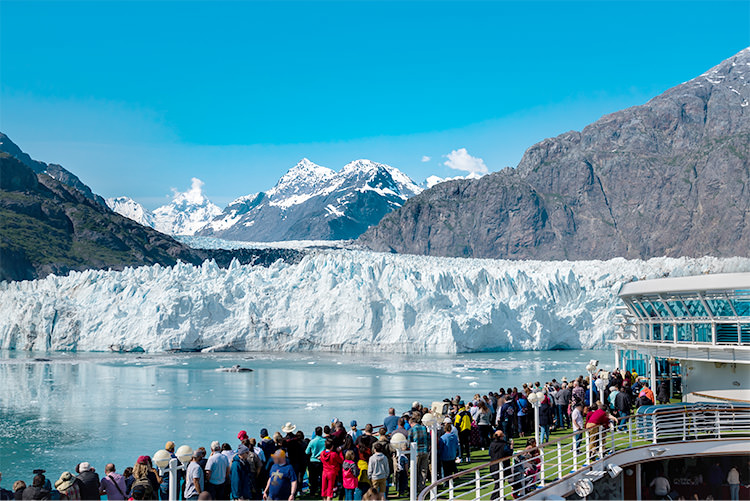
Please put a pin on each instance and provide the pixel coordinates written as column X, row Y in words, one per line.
column 144, row 484
column 510, row 410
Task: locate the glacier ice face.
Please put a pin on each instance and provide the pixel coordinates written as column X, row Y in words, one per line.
column 346, row 300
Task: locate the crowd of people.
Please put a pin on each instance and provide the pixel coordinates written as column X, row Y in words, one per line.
column 353, row 463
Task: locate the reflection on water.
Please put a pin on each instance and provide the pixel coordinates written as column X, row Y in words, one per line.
column 113, row 407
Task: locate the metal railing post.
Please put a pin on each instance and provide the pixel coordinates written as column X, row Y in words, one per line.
column 576, row 451
column 559, row 460
column 653, row 427
column 543, row 469
column 718, row 424
column 602, row 438
column 477, row 485
column 451, row 494
column 501, row 482
column 587, row 435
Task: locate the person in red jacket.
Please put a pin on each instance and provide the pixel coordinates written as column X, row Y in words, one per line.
column 332, row 462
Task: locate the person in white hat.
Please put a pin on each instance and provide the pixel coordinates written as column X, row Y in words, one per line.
column 288, row 428
column 67, row 486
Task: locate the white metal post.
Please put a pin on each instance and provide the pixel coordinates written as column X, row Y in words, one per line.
column 559, row 460
column 591, row 389
column 413, row 471
column 477, row 486
column 652, row 369
column 536, row 423
column 173, row 468
column 638, row 481
column 434, row 458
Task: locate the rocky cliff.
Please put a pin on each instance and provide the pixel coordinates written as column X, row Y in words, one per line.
column 668, row 178
column 47, row 226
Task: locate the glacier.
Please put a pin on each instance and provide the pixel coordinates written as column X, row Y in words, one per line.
column 333, row 300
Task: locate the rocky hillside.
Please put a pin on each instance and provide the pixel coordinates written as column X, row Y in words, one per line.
column 55, row 171
column 668, row 178
column 47, row 226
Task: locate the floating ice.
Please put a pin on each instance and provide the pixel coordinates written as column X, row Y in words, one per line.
column 335, row 300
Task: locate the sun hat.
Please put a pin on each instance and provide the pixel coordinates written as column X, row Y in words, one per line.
column 65, row 482
column 447, row 420
column 353, row 423
column 242, row 435
column 288, row 428
column 141, row 460
column 242, row 449
column 169, row 446
column 85, row 466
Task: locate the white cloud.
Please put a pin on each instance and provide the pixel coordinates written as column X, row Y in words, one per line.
column 425, row 158
column 193, row 195
column 461, row 160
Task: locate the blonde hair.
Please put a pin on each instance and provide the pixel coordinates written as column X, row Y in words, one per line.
column 349, row 455
column 140, row 470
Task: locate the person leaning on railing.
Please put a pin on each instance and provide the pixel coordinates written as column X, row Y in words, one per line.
column 597, row 424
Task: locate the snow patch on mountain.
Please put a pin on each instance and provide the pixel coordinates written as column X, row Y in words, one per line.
column 131, row 209
column 333, row 300
column 187, row 213
column 435, row 180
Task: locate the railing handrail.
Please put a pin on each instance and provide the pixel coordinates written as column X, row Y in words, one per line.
column 692, row 410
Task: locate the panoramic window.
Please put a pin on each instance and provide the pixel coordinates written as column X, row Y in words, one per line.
column 695, row 307
column 720, row 307
column 702, row 333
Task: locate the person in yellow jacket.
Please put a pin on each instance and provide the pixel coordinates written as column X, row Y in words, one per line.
column 463, row 425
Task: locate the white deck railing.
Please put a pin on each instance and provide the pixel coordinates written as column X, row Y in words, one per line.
column 526, row 471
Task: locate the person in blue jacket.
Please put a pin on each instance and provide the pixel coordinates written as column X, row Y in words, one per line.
column 241, row 475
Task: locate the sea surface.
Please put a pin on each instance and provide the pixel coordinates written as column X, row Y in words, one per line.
column 58, row 409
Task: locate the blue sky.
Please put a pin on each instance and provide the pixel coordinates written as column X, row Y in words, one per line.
column 138, row 97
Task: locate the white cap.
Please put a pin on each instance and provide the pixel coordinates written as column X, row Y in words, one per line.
column 85, row 466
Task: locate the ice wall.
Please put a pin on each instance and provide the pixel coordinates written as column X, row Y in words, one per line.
column 333, row 300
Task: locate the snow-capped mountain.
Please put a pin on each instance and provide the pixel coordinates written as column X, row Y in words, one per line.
column 187, row 213
column 131, row 209
column 311, row 202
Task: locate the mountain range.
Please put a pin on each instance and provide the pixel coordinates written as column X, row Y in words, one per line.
column 309, row 202
column 52, row 223
column 667, row 178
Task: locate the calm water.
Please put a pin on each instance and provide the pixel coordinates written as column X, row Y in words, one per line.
column 112, row 407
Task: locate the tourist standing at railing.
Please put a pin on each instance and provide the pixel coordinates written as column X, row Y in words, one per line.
column 546, row 417
column 506, row 417
column 448, row 447
column 500, row 448
column 484, row 420
column 562, row 401
column 315, row 467
column 463, row 424
column 418, row 434
column 622, row 407
column 523, row 410
column 576, row 417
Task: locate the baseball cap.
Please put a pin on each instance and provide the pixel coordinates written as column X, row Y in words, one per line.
column 242, row 450
column 85, row 466
column 353, row 423
column 242, row 435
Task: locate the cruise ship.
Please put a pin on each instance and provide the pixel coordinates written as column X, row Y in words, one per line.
column 690, row 333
